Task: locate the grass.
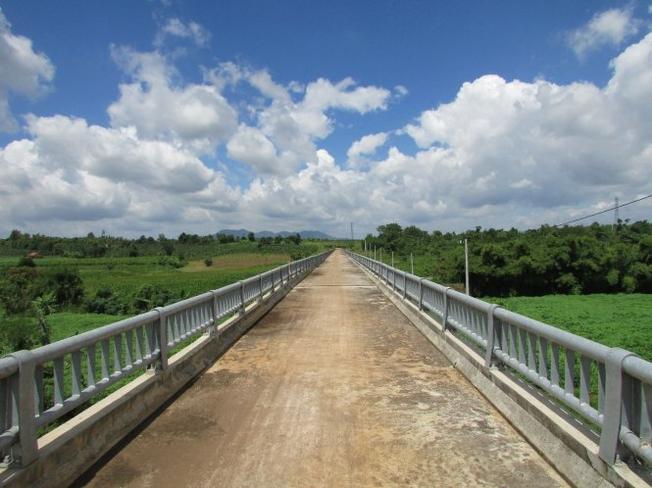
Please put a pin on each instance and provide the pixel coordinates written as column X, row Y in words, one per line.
column 620, row 320
column 236, row 262
column 66, row 324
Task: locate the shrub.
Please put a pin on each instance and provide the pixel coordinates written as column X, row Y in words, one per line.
column 17, row 333
column 208, row 262
column 151, row 296
column 18, row 288
column 105, row 301
column 172, row 261
column 67, row 286
column 42, row 307
column 26, row 261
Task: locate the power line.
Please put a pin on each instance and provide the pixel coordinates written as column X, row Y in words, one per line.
column 610, row 209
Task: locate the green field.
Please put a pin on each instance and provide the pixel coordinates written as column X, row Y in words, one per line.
column 619, row 320
column 125, row 275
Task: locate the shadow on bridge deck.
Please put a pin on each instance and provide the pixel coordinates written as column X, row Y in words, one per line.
column 334, row 387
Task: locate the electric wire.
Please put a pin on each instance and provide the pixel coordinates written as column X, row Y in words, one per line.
column 610, row 209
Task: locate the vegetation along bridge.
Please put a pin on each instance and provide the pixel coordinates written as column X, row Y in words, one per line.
column 355, row 374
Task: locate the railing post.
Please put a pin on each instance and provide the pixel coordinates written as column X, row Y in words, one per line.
column 162, row 338
column 421, row 294
column 242, row 297
column 613, row 408
column 404, row 285
column 394, row 279
column 491, row 336
column 26, row 408
column 260, row 284
column 212, row 332
column 444, row 320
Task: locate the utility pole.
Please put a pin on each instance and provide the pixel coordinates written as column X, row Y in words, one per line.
column 392, row 259
column 616, row 213
column 466, row 264
column 412, row 262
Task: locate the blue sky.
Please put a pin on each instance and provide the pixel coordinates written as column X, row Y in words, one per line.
column 419, row 53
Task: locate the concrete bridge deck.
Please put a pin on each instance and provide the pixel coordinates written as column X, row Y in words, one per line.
column 334, row 387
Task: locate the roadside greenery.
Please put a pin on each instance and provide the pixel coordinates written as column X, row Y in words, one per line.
column 43, row 277
column 547, row 260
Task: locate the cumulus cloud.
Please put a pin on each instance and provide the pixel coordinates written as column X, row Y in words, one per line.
column 610, row 27
column 24, row 71
column 501, row 153
column 195, row 116
column 174, row 27
column 293, row 119
column 543, row 143
column 366, row 145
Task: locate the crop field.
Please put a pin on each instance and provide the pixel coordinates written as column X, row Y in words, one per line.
column 619, row 320
column 236, row 262
column 125, row 275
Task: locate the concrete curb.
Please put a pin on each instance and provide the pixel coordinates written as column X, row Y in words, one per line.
column 569, row 450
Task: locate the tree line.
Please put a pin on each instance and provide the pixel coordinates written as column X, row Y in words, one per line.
column 548, row 260
column 91, row 246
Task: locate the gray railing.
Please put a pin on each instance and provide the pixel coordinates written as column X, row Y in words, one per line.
column 84, row 365
column 610, row 388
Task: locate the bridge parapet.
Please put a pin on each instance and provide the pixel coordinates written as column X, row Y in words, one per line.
column 606, row 389
column 85, row 365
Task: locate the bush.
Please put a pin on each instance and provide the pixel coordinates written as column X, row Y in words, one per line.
column 67, row 286
column 105, row 301
column 171, row 261
column 18, row 288
column 297, row 254
column 151, row 296
column 208, row 262
column 26, row 262
column 18, row 332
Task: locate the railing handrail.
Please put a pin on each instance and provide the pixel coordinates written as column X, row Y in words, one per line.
column 123, row 347
column 533, row 350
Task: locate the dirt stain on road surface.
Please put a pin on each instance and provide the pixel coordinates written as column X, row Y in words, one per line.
column 334, row 387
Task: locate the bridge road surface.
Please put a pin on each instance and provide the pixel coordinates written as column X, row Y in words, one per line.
column 334, row 387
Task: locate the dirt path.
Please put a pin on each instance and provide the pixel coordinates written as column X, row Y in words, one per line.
column 334, row 387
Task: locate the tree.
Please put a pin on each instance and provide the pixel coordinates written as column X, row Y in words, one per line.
column 251, row 236
column 66, row 286
column 42, row 307
column 17, row 290
column 168, row 247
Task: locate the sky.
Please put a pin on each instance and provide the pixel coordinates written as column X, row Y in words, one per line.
column 147, row 117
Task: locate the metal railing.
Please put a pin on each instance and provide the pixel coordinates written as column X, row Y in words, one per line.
column 610, row 388
column 81, row 367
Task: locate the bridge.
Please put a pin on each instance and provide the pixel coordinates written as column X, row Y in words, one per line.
column 335, row 370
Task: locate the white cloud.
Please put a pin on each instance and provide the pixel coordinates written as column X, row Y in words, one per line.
column 610, row 27
column 195, row 116
column 544, row 144
column 252, row 147
column 366, row 145
column 174, row 27
column 501, row 153
column 23, row 71
column 286, row 126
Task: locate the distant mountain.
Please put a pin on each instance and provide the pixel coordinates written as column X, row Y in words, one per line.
column 305, row 234
column 234, row 232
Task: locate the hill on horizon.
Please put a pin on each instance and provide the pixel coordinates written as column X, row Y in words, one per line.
column 305, row 234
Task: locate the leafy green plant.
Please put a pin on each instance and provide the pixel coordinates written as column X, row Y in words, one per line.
column 151, row 296
column 105, row 302
column 43, row 306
